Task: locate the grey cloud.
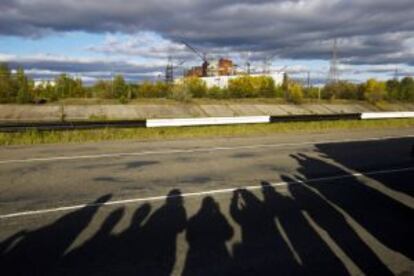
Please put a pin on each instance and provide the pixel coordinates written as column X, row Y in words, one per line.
column 370, row 31
column 48, row 67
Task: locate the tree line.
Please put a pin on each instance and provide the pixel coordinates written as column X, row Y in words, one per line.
column 17, row 87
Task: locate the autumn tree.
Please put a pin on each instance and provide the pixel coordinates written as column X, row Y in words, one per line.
column 374, row 91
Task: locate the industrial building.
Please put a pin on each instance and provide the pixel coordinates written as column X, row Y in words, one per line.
column 223, row 81
column 219, row 72
column 220, row 67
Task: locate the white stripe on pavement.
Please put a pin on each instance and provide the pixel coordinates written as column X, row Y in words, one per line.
column 196, row 150
column 197, row 194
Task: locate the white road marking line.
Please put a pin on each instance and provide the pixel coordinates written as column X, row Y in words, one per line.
column 198, row 194
column 213, row 149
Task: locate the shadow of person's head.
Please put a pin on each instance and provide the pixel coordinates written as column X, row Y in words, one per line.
column 210, row 205
column 174, row 198
column 141, row 213
column 112, row 220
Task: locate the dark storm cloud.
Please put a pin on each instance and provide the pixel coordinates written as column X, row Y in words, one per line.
column 369, row 31
column 48, row 67
column 75, row 66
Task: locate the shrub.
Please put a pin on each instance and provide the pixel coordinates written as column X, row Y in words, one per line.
column 341, row 90
column 151, row 90
column 311, row 92
column 23, row 96
column 295, row 93
column 196, row 87
column 123, row 99
column 241, row 87
column 266, row 87
column 216, row 92
column 181, row 93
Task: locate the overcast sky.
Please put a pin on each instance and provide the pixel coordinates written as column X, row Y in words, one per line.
column 93, row 38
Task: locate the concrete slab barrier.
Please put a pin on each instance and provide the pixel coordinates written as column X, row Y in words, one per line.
column 386, row 115
column 207, row 121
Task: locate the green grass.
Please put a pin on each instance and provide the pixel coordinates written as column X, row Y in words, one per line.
column 143, row 134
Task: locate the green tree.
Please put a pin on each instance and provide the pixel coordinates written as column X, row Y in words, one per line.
column 341, row 90
column 46, row 91
column 285, row 85
column 393, row 89
column 147, row 90
column 374, row 91
column 7, row 85
column 102, row 89
column 295, row 93
column 407, row 89
column 120, row 87
column 24, row 90
column 63, row 86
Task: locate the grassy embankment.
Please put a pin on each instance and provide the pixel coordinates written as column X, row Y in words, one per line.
column 196, row 101
column 142, row 134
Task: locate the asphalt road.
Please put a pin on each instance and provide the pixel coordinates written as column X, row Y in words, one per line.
column 332, row 203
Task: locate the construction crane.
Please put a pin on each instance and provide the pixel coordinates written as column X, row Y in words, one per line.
column 201, row 55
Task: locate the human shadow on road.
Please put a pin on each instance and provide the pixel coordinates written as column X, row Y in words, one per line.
column 315, row 256
column 336, row 225
column 159, row 236
column 369, row 155
column 207, row 233
column 262, row 250
column 39, row 252
column 388, row 220
column 97, row 252
column 146, row 247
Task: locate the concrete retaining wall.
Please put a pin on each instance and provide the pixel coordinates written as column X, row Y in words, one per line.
column 85, row 112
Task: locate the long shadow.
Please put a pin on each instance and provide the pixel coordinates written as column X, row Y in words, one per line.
column 262, row 250
column 146, row 247
column 97, row 252
column 315, row 256
column 40, row 251
column 131, row 244
column 207, row 233
column 7, row 244
column 335, row 224
column 159, row 237
column 391, row 222
column 376, row 155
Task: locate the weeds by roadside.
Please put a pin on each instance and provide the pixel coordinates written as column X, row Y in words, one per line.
column 140, row 134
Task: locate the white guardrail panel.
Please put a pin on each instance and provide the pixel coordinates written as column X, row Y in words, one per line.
column 386, row 115
column 207, row 121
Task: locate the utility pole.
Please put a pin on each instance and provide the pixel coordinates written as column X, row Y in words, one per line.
column 169, row 71
column 333, row 70
column 319, row 94
column 396, row 74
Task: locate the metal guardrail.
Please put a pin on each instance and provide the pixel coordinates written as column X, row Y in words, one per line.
column 74, row 125
column 315, row 117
